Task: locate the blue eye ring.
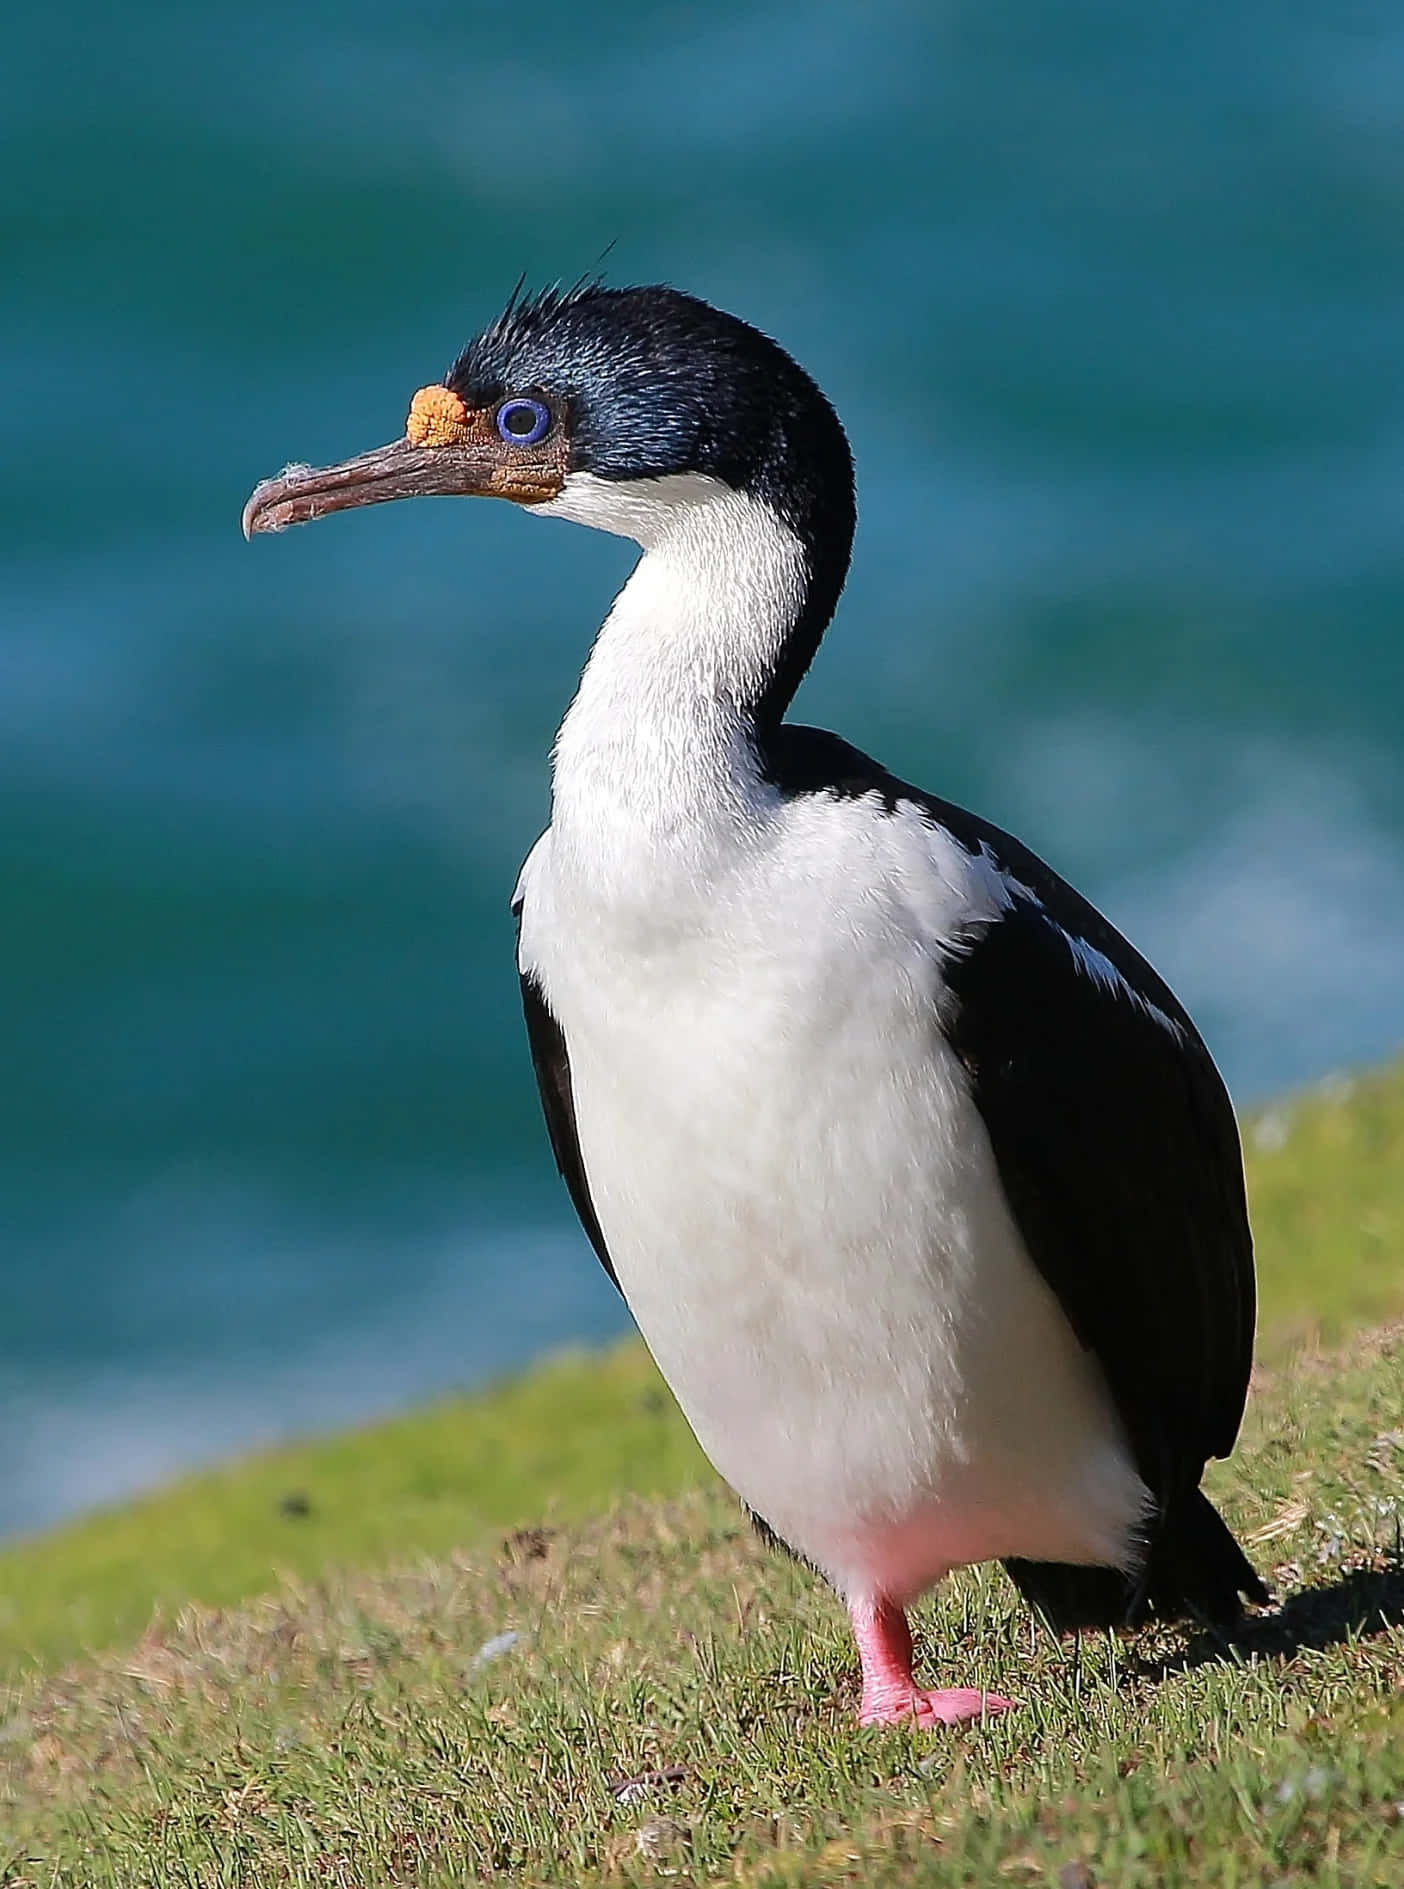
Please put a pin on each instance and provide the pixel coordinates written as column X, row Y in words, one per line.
column 522, row 421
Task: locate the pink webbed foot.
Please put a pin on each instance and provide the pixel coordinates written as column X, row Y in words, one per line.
column 958, row 1706
column 891, row 1695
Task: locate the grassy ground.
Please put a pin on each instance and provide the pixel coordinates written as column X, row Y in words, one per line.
column 557, row 1443
column 651, row 1693
column 359, row 1728
column 1326, row 1188
column 1326, row 1175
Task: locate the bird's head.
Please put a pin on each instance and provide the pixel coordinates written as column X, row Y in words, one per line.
column 580, row 402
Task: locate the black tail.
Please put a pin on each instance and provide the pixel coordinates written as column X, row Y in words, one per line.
column 1194, row 1567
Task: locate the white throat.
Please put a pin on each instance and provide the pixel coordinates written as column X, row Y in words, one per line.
column 655, row 752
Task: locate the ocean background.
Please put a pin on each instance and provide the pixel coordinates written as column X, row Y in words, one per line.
column 1111, row 299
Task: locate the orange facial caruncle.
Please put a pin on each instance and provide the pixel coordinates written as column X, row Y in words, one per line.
column 437, row 417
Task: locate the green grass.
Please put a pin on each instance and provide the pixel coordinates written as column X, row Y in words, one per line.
column 556, row 1443
column 1326, row 1188
column 339, row 1729
column 378, row 1729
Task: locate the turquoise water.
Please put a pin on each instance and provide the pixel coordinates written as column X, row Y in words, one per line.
column 1112, row 300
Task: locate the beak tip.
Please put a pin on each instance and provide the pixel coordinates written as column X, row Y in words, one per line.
column 250, row 521
column 272, row 505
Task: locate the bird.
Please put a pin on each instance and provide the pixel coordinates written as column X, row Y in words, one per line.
column 919, row 1182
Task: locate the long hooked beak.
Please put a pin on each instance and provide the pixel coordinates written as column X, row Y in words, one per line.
column 400, row 470
column 449, row 450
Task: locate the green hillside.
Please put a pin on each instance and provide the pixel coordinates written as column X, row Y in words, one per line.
column 294, row 1669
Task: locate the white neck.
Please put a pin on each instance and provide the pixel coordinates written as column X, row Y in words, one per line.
column 655, row 753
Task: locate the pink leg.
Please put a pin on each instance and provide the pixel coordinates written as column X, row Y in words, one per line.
column 891, row 1696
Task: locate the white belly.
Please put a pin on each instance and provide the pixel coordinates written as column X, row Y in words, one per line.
column 801, row 1204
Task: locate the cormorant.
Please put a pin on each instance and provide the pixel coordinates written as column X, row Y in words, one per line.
column 920, row 1183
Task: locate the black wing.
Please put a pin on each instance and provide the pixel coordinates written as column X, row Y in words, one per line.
column 1116, row 1144
column 1119, row 1155
column 552, row 1066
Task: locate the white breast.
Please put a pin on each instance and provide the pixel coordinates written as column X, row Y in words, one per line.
column 796, row 1190
column 801, row 1204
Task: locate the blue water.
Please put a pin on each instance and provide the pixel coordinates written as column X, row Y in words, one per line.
column 1112, row 300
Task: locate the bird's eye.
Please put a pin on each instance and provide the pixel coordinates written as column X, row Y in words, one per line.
column 523, row 422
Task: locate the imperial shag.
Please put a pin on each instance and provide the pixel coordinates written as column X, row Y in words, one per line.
column 920, row 1183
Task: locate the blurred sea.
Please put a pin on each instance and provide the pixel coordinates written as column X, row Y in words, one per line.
column 1112, row 301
